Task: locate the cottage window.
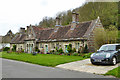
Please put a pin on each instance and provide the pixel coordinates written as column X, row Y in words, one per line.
column 53, row 46
column 77, row 45
column 41, row 45
column 57, row 45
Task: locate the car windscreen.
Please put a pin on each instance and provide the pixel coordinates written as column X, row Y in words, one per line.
column 107, row 48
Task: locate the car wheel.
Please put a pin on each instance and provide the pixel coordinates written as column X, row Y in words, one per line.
column 93, row 63
column 114, row 61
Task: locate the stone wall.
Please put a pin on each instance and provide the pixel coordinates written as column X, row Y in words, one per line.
column 91, row 36
column 53, row 45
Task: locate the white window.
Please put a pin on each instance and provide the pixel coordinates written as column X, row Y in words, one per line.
column 53, row 46
column 77, row 45
column 41, row 45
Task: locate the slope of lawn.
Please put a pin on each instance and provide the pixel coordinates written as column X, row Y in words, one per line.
column 41, row 59
column 115, row 72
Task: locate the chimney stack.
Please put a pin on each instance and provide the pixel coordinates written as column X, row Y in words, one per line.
column 22, row 30
column 75, row 20
column 58, row 22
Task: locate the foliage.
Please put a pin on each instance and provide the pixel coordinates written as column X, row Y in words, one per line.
column 85, row 49
column 57, row 49
column 60, row 51
column 6, row 49
column 36, row 49
column 108, row 12
column 75, row 54
column 69, row 48
column 56, row 53
column 74, row 50
column 41, row 59
column 115, row 72
column 107, row 36
column 111, row 34
column 80, row 50
column 52, row 51
column 14, row 48
column 87, row 55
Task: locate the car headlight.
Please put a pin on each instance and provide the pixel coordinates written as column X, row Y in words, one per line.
column 91, row 55
column 107, row 55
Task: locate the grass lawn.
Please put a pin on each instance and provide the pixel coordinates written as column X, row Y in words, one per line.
column 115, row 72
column 41, row 59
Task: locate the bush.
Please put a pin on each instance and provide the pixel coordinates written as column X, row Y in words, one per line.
column 85, row 49
column 52, row 51
column 75, row 54
column 87, row 55
column 74, row 50
column 6, row 49
column 14, row 48
column 22, row 50
column 60, row 51
column 56, row 49
column 56, row 53
column 69, row 48
column 36, row 49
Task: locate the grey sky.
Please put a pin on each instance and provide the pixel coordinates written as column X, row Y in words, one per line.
column 21, row 13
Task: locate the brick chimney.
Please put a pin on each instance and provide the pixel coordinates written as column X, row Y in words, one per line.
column 75, row 20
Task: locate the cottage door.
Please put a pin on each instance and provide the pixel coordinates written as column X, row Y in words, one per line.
column 30, row 48
column 66, row 49
column 46, row 47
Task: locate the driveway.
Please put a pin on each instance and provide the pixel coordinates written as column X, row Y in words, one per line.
column 17, row 69
column 86, row 66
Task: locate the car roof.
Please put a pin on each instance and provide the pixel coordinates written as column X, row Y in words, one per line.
column 111, row 44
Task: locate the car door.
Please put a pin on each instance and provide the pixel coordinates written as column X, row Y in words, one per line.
column 118, row 53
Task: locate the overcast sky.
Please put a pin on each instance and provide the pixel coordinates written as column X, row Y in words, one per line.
column 21, row 13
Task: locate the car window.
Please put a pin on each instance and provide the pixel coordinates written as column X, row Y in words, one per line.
column 107, row 47
column 117, row 47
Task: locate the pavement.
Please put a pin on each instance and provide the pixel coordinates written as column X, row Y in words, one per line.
column 17, row 69
column 86, row 66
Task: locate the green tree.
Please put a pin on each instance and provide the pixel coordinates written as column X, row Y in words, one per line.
column 107, row 36
column 14, row 48
column 69, row 48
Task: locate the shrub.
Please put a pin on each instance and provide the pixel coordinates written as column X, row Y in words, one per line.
column 36, row 49
column 75, row 54
column 6, row 49
column 57, row 49
column 60, row 51
column 56, row 53
column 85, row 49
column 14, row 48
column 52, row 51
column 74, row 50
column 87, row 55
column 22, row 50
column 69, row 48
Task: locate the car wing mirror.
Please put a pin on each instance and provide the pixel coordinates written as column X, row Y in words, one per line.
column 119, row 50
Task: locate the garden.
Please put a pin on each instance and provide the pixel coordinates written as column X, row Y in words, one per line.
column 52, row 59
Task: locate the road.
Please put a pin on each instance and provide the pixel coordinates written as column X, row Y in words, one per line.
column 17, row 69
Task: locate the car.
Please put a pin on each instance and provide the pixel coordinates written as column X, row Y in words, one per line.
column 107, row 54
